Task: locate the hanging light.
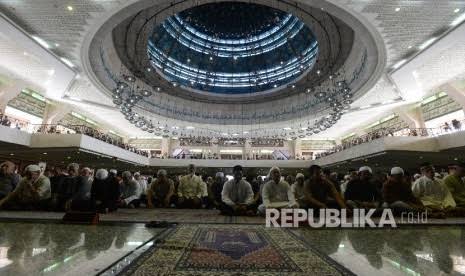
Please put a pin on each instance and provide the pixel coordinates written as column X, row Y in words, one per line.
column 146, row 93
column 129, row 78
column 122, row 85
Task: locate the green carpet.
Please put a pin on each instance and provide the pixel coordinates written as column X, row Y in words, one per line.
column 212, row 249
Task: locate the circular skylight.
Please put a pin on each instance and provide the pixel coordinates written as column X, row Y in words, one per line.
column 232, row 48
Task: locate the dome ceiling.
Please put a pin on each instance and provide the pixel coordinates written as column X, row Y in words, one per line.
column 232, row 48
column 234, row 65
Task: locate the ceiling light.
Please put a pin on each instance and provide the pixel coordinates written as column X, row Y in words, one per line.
column 190, row 127
column 456, row 10
column 245, row 132
column 318, row 72
column 11, row 154
column 44, row 153
column 149, row 69
column 224, row 134
column 458, row 20
column 287, row 128
column 188, row 60
column 397, row 9
column 57, row 45
column 410, row 47
column 428, row 42
column 41, row 42
column 70, row 8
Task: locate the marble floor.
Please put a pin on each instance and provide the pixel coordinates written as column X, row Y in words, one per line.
column 431, row 250
column 33, row 243
column 59, row 249
column 182, row 216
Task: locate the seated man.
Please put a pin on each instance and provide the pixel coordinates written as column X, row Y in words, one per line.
column 190, row 190
column 455, row 184
column 143, row 186
column 161, row 190
column 432, row 192
column 398, row 195
column 204, row 193
column 100, row 191
column 362, row 192
column 33, row 192
column 237, row 195
column 70, row 186
column 298, row 189
column 320, row 193
column 215, row 189
column 130, row 191
column 81, row 192
column 8, row 179
column 276, row 193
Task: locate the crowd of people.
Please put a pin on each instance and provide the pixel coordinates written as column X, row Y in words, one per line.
column 385, row 132
column 82, row 189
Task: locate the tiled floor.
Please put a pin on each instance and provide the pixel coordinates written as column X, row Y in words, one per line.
column 433, row 250
column 183, row 216
column 29, row 246
column 58, row 249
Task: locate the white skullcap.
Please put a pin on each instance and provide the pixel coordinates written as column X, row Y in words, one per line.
column 101, row 174
column 87, row 169
column 417, row 175
column 136, row 173
column 219, row 174
column 347, row 177
column 397, row 170
column 162, row 172
column 113, row 171
column 299, row 175
column 365, row 169
column 274, row 169
column 33, row 168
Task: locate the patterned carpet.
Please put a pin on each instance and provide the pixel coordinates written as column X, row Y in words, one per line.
column 202, row 249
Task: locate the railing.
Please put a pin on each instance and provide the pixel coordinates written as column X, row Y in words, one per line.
column 85, row 130
column 385, row 132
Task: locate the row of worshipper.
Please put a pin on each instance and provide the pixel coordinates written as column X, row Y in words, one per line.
column 76, row 189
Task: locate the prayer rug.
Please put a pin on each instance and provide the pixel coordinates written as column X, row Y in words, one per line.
column 203, row 249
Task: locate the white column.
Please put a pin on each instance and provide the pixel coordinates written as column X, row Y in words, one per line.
column 413, row 116
column 54, row 112
column 10, row 91
column 165, row 146
column 298, row 148
column 456, row 93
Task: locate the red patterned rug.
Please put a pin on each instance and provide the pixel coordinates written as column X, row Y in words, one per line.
column 193, row 249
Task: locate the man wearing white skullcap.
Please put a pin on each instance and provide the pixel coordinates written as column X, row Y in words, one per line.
column 215, row 190
column 397, row 193
column 33, row 191
column 161, row 190
column 363, row 191
column 276, row 193
column 298, row 188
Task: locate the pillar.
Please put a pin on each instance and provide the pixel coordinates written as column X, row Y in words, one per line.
column 413, row 116
column 165, row 147
column 54, row 112
column 298, row 148
column 457, row 93
column 9, row 91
